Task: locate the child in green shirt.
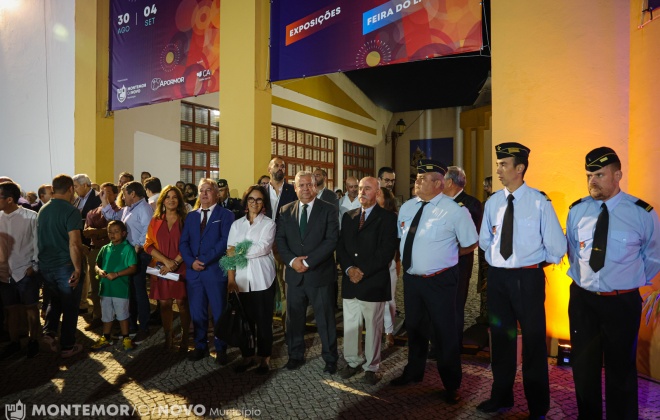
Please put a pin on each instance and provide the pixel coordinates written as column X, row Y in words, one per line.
column 116, row 262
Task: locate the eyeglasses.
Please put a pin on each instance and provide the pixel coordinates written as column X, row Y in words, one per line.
column 264, row 184
column 388, row 181
column 252, row 200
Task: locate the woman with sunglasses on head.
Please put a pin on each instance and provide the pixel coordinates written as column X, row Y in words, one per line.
column 255, row 281
column 162, row 243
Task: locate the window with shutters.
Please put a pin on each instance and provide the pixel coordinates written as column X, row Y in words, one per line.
column 200, row 138
column 304, row 150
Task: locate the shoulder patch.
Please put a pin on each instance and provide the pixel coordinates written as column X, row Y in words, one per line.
column 545, row 195
column 460, row 204
column 643, row 204
column 578, row 201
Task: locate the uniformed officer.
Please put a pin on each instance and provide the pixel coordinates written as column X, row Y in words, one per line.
column 434, row 231
column 613, row 250
column 519, row 234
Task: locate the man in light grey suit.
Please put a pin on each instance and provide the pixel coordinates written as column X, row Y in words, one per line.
column 307, row 233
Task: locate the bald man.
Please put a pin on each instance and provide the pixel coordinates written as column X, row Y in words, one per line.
column 366, row 247
column 349, row 201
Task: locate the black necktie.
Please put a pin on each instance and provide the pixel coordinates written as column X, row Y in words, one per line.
column 408, row 246
column 599, row 246
column 506, row 239
column 203, row 225
column 303, row 220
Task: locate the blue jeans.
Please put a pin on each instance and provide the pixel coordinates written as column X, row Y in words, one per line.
column 139, row 299
column 64, row 301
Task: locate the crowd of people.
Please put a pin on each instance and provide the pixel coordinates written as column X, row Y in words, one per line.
column 122, row 245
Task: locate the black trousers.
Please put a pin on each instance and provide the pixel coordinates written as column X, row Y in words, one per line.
column 518, row 296
column 323, row 302
column 604, row 326
column 431, row 301
column 258, row 308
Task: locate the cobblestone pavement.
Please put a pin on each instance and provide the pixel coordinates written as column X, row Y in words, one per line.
column 162, row 384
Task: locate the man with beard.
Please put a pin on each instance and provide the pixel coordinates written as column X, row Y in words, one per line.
column 322, row 192
column 280, row 194
column 613, row 251
column 387, row 178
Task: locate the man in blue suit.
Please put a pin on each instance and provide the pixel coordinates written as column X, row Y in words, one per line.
column 203, row 243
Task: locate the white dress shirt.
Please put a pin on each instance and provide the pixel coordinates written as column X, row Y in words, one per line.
column 18, row 243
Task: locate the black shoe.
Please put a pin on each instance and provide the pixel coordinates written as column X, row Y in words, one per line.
column 245, row 365
column 221, row 357
column 451, row 396
column 349, row 371
column 491, row 405
column 294, row 364
column 32, row 348
column 10, row 350
column 330, row 367
column 197, row 354
column 371, row 378
column 405, row 380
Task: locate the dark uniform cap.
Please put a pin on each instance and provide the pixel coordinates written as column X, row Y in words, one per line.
column 425, row 166
column 600, row 158
column 511, row 149
column 222, row 183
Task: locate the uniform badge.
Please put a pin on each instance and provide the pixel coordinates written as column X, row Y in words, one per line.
column 403, row 225
column 494, row 230
column 582, row 245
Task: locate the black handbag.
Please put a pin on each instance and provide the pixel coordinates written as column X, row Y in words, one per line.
column 233, row 326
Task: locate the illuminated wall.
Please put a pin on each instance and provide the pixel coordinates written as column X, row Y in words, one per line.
column 560, row 86
column 644, row 149
column 568, row 79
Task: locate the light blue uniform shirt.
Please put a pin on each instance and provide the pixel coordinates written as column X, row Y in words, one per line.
column 537, row 234
column 136, row 218
column 444, row 224
column 632, row 257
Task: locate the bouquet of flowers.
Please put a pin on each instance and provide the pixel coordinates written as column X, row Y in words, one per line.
column 238, row 259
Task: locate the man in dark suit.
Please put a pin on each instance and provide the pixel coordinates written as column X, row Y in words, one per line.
column 44, row 193
column 366, row 246
column 225, row 200
column 454, row 184
column 203, row 243
column 307, row 232
column 86, row 200
column 320, row 177
column 280, row 193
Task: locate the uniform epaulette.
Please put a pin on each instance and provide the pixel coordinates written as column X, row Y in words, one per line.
column 578, row 201
column 643, row 204
column 545, row 195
